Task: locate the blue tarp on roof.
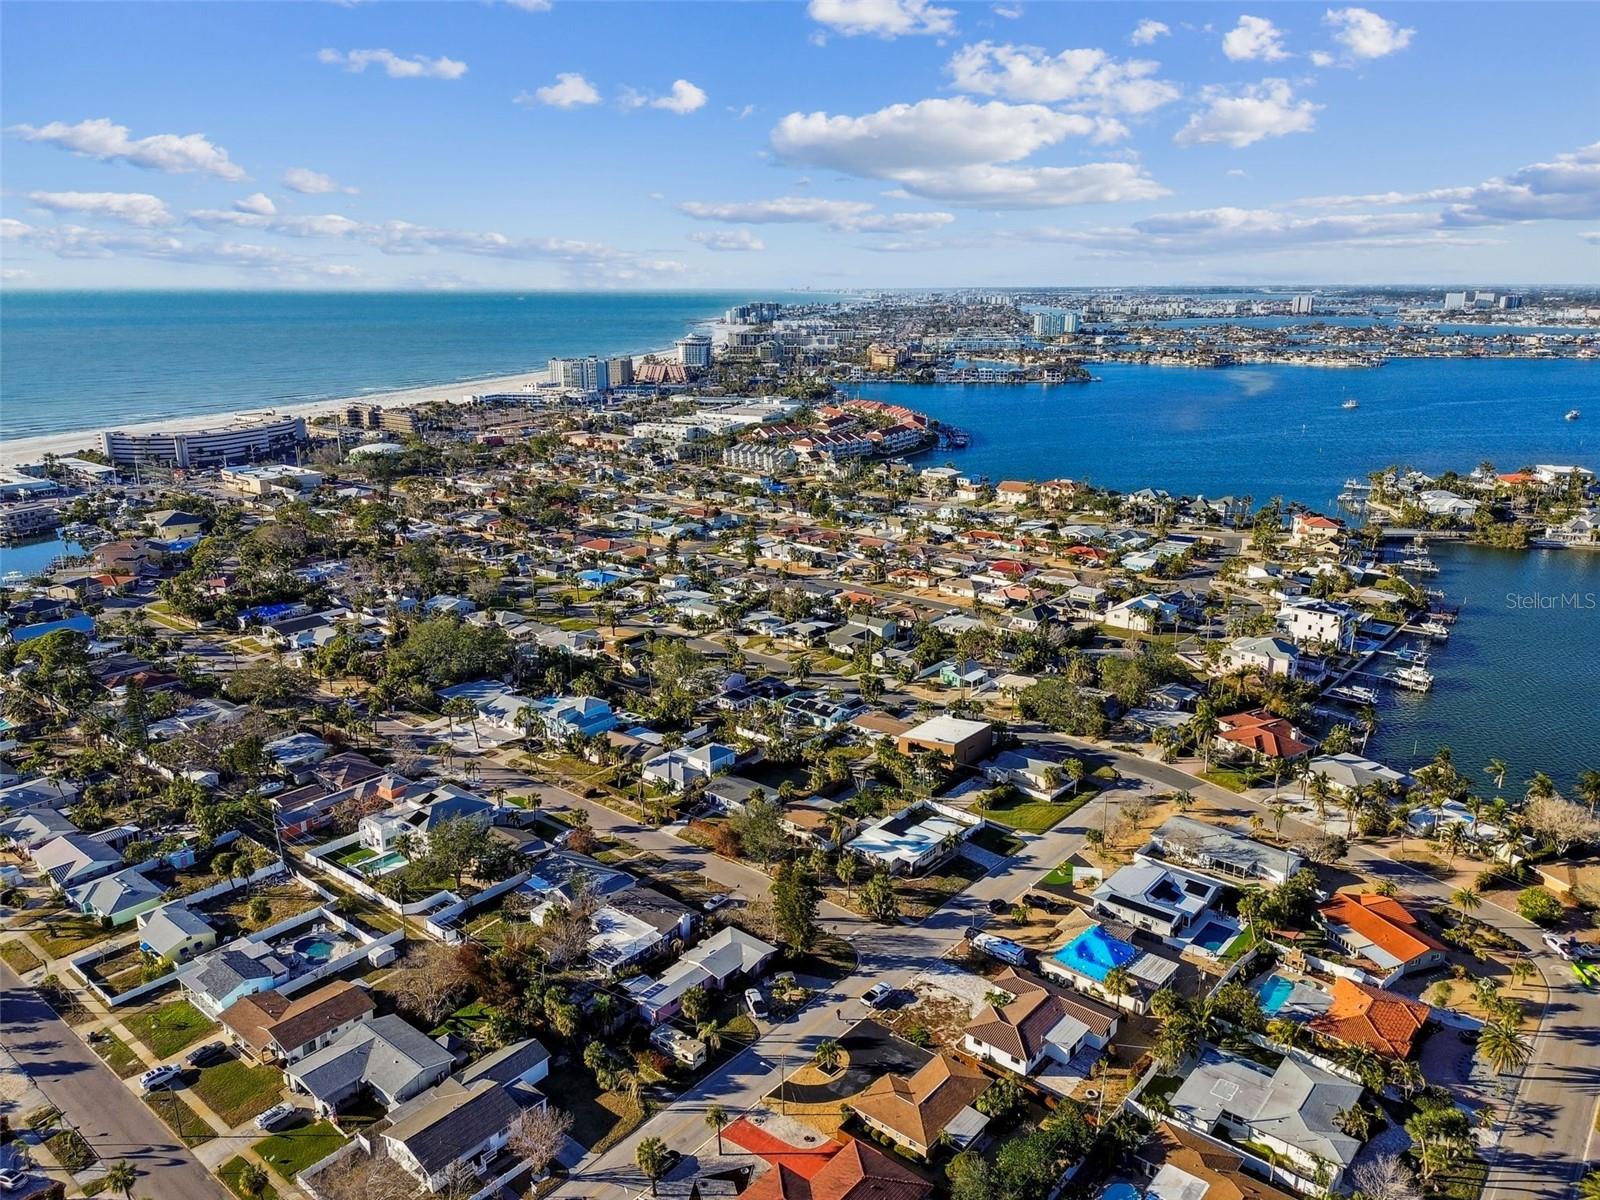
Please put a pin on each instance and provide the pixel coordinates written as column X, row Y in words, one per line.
column 82, row 623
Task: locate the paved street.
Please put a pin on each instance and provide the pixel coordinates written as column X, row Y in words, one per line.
column 109, row 1116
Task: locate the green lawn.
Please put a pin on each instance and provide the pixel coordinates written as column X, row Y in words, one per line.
column 1227, row 777
column 19, row 958
column 236, row 1091
column 922, row 895
column 354, row 855
column 463, row 1021
column 170, row 1028
column 1240, row 945
column 1034, row 816
column 1060, row 877
column 997, row 841
column 189, row 1125
column 229, row 1173
column 67, row 934
column 117, row 1055
column 293, row 1150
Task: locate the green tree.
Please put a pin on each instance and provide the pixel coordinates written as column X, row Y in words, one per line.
column 1504, row 1047
column 120, row 1176
column 795, row 897
column 878, row 899
column 1539, row 906
column 652, row 1159
column 717, row 1121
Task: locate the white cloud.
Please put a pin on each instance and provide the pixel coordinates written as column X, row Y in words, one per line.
column 100, row 138
column 325, row 225
column 75, row 241
column 131, row 208
column 1147, row 31
column 683, row 99
column 1254, row 38
column 1564, row 189
column 850, row 216
column 15, row 275
column 1010, row 12
column 729, row 240
column 258, row 203
column 584, row 261
column 533, row 6
column 1238, row 119
column 570, row 90
column 311, row 183
column 951, row 150
column 1364, row 34
column 883, row 18
column 1086, row 78
column 930, row 133
column 417, row 66
column 1321, row 58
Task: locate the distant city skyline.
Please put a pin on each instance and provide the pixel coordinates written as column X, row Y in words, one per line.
column 837, row 143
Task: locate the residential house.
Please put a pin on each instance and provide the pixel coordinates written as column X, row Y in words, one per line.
column 1293, row 1110
column 384, row 1057
column 585, row 715
column 855, row 1171
column 117, row 898
column 1318, row 624
column 727, row 955
column 1164, row 900
column 1148, row 613
column 175, row 932
column 953, row 738
column 1314, row 531
column 1366, row 1016
column 1348, row 773
column 915, row 838
column 1221, row 850
column 219, row 978
column 41, row 793
column 1383, row 932
column 1036, row 773
column 1263, row 737
column 274, row 1028
column 456, row 1129
column 680, row 768
column 75, row 858
column 1181, row 1163
column 933, row 1105
column 35, row 827
column 1269, row 656
column 1040, row 1022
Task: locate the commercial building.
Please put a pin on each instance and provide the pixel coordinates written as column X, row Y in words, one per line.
column 957, row 740
column 1301, row 305
column 584, row 374
column 1049, row 324
column 245, row 441
column 694, row 351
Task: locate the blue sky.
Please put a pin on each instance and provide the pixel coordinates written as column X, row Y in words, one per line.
column 582, row 143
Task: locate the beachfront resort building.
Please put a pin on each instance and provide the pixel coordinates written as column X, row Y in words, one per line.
column 246, row 440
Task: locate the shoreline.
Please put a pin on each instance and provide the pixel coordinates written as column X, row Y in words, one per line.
column 30, row 449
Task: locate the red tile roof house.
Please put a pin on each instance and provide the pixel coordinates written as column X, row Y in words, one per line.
column 1262, row 736
column 856, row 1172
column 1362, row 1015
column 1382, row 933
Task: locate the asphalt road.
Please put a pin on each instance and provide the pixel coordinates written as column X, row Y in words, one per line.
column 110, row 1118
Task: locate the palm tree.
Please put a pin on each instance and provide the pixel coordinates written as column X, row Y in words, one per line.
column 1589, row 1186
column 1356, row 1121
column 1118, row 983
column 1287, row 1033
column 1203, row 727
column 1504, row 1047
column 631, row 1084
column 651, row 1159
column 710, row 1033
column 1407, row 1076
column 1522, row 970
column 253, row 1179
column 1466, row 899
column 1589, row 789
column 827, row 1056
column 121, row 1176
column 716, row 1121
column 1496, row 770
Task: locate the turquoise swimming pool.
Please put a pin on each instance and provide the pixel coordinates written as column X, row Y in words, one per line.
column 384, row 862
column 1274, row 991
column 1095, row 953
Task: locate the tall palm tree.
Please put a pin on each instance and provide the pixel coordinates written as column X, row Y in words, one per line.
column 716, row 1121
column 1496, row 770
column 710, row 1033
column 1504, row 1047
column 1466, row 899
column 121, row 1176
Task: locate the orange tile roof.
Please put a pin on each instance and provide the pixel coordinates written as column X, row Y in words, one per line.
column 855, row 1171
column 802, row 1161
column 921, row 1105
column 1264, row 733
column 1362, row 1015
column 1383, row 921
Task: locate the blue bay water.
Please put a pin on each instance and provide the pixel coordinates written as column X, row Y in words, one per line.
column 89, row 360
column 1515, row 682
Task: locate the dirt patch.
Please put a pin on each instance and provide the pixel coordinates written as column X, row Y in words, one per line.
column 936, row 1015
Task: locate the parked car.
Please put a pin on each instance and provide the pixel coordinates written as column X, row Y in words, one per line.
column 720, row 900
column 1558, row 945
column 202, row 1056
column 999, row 907
column 12, row 1178
column 754, row 1002
column 160, row 1077
column 274, row 1116
column 878, row 995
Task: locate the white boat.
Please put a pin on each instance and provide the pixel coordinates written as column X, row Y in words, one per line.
column 1419, row 564
column 1349, row 404
column 1434, row 629
column 1413, row 679
column 1573, row 414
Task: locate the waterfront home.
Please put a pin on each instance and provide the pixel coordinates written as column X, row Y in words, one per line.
column 1348, row 773
column 1220, row 850
column 1440, row 502
column 273, row 1028
column 175, row 932
column 1314, row 531
column 1039, row 1023
column 1263, row 737
column 1382, row 934
column 1318, row 624
column 385, row 1058
column 1369, row 1017
column 933, row 1105
column 1293, row 1110
column 117, row 898
column 1268, row 655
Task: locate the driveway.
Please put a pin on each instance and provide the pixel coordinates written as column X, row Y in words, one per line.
column 872, row 1051
column 114, row 1121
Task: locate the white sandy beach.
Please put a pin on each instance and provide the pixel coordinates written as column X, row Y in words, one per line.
column 23, row 450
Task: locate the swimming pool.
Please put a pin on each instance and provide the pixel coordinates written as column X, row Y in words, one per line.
column 1274, row 991
column 384, row 862
column 1214, row 935
column 1095, row 953
column 314, row 948
column 1120, row 1191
